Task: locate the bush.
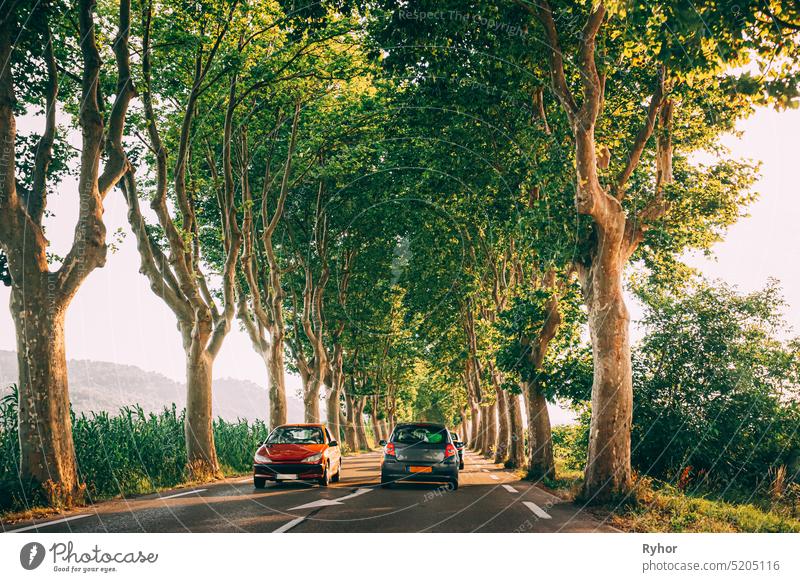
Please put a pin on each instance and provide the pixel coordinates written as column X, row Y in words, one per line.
column 716, row 390
column 571, row 441
column 128, row 453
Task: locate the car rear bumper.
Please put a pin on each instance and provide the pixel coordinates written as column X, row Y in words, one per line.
column 302, row 471
column 400, row 471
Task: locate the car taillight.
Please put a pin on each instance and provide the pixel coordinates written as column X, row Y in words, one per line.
column 449, row 451
column 389, row 449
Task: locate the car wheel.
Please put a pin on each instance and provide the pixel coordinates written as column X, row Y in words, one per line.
column 454, row 484
column 325, row 480
column 386, row 483
column 461, row 465
column 259, row 482
column 338, row 474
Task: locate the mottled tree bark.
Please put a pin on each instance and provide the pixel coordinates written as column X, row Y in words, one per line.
column 200, row 449
column 40, row 297
column 176, row 276
column 351, row 434
column 489, row 416
column 608, row 467
column 360, row 426
column 540, row 438
column 47, row 452
column 516, row 433
column 503, row 434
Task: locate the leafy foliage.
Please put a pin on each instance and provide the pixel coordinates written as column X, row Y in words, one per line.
column 125, row 454
column 716, row 389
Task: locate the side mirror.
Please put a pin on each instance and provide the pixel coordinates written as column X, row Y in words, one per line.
column 333, row 444
column 382, row 443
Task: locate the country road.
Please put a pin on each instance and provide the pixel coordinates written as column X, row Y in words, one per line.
column 490, row 499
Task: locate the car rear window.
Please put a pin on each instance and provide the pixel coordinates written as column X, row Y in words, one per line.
column 299, row 435
column 409, row 435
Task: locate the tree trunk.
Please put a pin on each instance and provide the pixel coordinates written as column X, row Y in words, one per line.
column 47, row 452
column 516, row 450
column 334, row 408
column 198, row 425
column 540, row 437
column 608, row 466
column 490, row 417
column 474, row 426
column 311, row 398
column 376, row 429
column 335, row 392
column 360, row 428
column 501, row 450
column 351, row 435
column 277, row 382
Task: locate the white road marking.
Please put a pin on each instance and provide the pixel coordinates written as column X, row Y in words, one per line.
column 510, row 489
column 359, row 491
column 287, row 526
column 485, row 470
column 184, row 493
column 495, row 477
column 317, row 503
column 248, row 480
column 538, row 511
column 327, row 502
column 49, row 523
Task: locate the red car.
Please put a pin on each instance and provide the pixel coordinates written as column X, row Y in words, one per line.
column 302, row 452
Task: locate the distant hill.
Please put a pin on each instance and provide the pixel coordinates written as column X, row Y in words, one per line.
column 106, row 386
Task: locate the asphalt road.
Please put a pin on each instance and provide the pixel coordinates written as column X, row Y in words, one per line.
column 489, row 499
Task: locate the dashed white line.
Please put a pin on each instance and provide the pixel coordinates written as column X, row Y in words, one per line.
column 495, row 477
column 184, row 493
column 538, row 511
column 49, row 523
column 510, row 489
column 289, row 525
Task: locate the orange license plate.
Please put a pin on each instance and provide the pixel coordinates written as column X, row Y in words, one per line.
column 421, row 469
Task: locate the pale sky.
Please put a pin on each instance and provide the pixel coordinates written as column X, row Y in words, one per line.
column 115, row 317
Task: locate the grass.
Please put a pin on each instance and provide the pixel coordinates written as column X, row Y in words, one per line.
column 657, row 507
column 129, row 453
column 663, row 508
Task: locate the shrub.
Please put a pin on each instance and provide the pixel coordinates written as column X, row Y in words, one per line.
column 129, row 453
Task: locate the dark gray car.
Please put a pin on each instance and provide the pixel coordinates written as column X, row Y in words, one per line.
column 419, row 451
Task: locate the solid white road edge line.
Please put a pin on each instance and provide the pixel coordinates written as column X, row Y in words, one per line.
column 510, row 489
column 538, row 511
column 184, row 493
column 495, row 477
column 289, row 525
column 49, row 523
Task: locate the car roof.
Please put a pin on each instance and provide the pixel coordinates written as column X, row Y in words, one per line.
column 430, row 424
column 302, row 424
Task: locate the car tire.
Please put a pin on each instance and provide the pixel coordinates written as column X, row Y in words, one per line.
column 259, row 482
column 461, row 465
column 324, row 481
column 454, row 484
column 386, row 483
column 338, row 474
